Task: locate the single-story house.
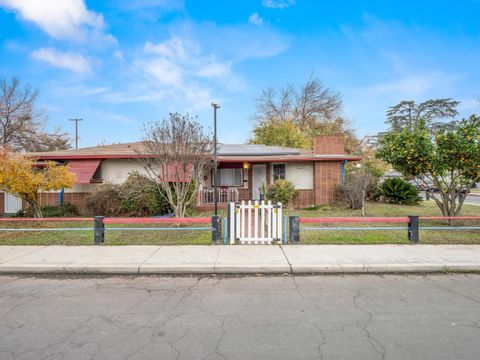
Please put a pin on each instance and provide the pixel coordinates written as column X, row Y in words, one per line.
column 242, row 169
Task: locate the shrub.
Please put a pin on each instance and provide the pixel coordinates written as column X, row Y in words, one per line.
column 137, row 196
column 140, row 196
column 398, row 191
column 282, row 191
column 105, row 201
column 62, row 210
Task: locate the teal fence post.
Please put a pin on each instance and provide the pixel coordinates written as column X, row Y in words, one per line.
column 98, row 230
column 216, row 229
column 294, row 233
column 414, row 229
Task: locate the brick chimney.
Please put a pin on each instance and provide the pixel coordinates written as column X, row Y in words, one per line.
column 329, row 145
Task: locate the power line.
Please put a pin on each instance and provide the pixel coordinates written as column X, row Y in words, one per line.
column 76, row 131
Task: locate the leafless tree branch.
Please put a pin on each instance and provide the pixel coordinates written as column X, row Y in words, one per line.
column 176, row 153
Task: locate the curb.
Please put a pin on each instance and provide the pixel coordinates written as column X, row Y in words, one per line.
column 236, row 270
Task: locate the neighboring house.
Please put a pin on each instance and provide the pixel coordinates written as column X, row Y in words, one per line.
column 242, row 170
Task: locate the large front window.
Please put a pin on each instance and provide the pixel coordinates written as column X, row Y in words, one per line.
column 278, row 172
column 230, row 177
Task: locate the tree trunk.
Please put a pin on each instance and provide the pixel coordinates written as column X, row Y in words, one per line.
column 363, row 202
column 36, row 209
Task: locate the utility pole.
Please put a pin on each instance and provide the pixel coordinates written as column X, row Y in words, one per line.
column 76, row 131
column 215, row 162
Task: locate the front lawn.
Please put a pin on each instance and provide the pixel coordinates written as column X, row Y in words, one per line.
column 204, row 237
column 426, row 208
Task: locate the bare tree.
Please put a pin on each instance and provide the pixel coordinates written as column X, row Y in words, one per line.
column 311, row 108
column 407, row 114
column 357, row 184
column 176, row 154
column 22, row 124
column 310, row 104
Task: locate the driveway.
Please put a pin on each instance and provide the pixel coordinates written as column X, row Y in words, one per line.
column 281, row 317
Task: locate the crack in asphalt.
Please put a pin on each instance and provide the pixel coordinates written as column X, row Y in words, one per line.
column 158, row 314
column 374, row 342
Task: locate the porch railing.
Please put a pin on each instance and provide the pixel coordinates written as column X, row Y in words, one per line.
column 205, row 196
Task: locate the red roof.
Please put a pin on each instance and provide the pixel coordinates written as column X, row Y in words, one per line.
column 83, row 170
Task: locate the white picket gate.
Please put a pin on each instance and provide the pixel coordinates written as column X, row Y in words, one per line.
column 254, row 222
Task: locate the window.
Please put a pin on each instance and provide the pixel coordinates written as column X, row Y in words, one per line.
column 278, row 172
column 230, row 177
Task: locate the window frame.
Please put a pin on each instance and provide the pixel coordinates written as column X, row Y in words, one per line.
column 226, row 168
column 284, row 171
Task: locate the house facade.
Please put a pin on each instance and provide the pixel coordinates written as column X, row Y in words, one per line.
column 242, row 171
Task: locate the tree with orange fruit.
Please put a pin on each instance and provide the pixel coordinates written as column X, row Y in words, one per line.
column 447, row 161
column 20, row 176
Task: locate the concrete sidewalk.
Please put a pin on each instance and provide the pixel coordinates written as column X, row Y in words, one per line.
column 244, row 259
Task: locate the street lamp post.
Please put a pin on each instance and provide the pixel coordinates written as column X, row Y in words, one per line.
column 215, row 162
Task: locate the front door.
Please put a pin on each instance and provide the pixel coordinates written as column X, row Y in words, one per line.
column 12, row 204
column 259, row 177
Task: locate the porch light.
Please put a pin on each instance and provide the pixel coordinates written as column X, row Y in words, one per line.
column 246, row 165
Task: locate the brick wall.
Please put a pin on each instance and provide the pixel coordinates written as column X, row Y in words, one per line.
column 305, row 198
column 77, row 199
column 327, row 175
column 243, row 194
column 329, row 145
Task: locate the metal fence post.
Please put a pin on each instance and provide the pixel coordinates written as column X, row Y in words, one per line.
column 225, row 231
column 98, row 230
column 294, row 235
column 414, row 229
column 216, row 229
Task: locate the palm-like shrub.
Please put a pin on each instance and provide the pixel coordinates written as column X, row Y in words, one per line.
column 398, row 191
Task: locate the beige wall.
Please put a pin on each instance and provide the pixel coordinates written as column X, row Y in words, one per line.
column 82, row 188
column 113, row 171
column 299, row 173
column 116, row 171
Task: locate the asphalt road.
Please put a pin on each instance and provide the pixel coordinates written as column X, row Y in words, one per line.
column 471, row 199
column 321, row 317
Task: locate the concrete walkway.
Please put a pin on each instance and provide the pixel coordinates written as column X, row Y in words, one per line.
column 272, row 259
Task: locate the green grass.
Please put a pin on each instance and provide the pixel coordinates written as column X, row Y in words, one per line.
column 426, row 208
column 123, row 237
column 185, row 237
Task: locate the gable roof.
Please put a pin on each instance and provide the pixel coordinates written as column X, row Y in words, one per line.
column 226, row 152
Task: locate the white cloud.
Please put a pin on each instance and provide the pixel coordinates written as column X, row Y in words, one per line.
column 71, row 61
column 162, row 70
column 173, row 48
column 121, row 119
column 175, row 59
column 141, row 4
column 186, row 70
column 117, row 54
column 414, row 85
column 469, row 104
column 64, row 19
column 215, row 69
column 255, row 19
column 278, row 4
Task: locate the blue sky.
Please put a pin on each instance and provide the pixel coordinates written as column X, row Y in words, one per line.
column 122, row 63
